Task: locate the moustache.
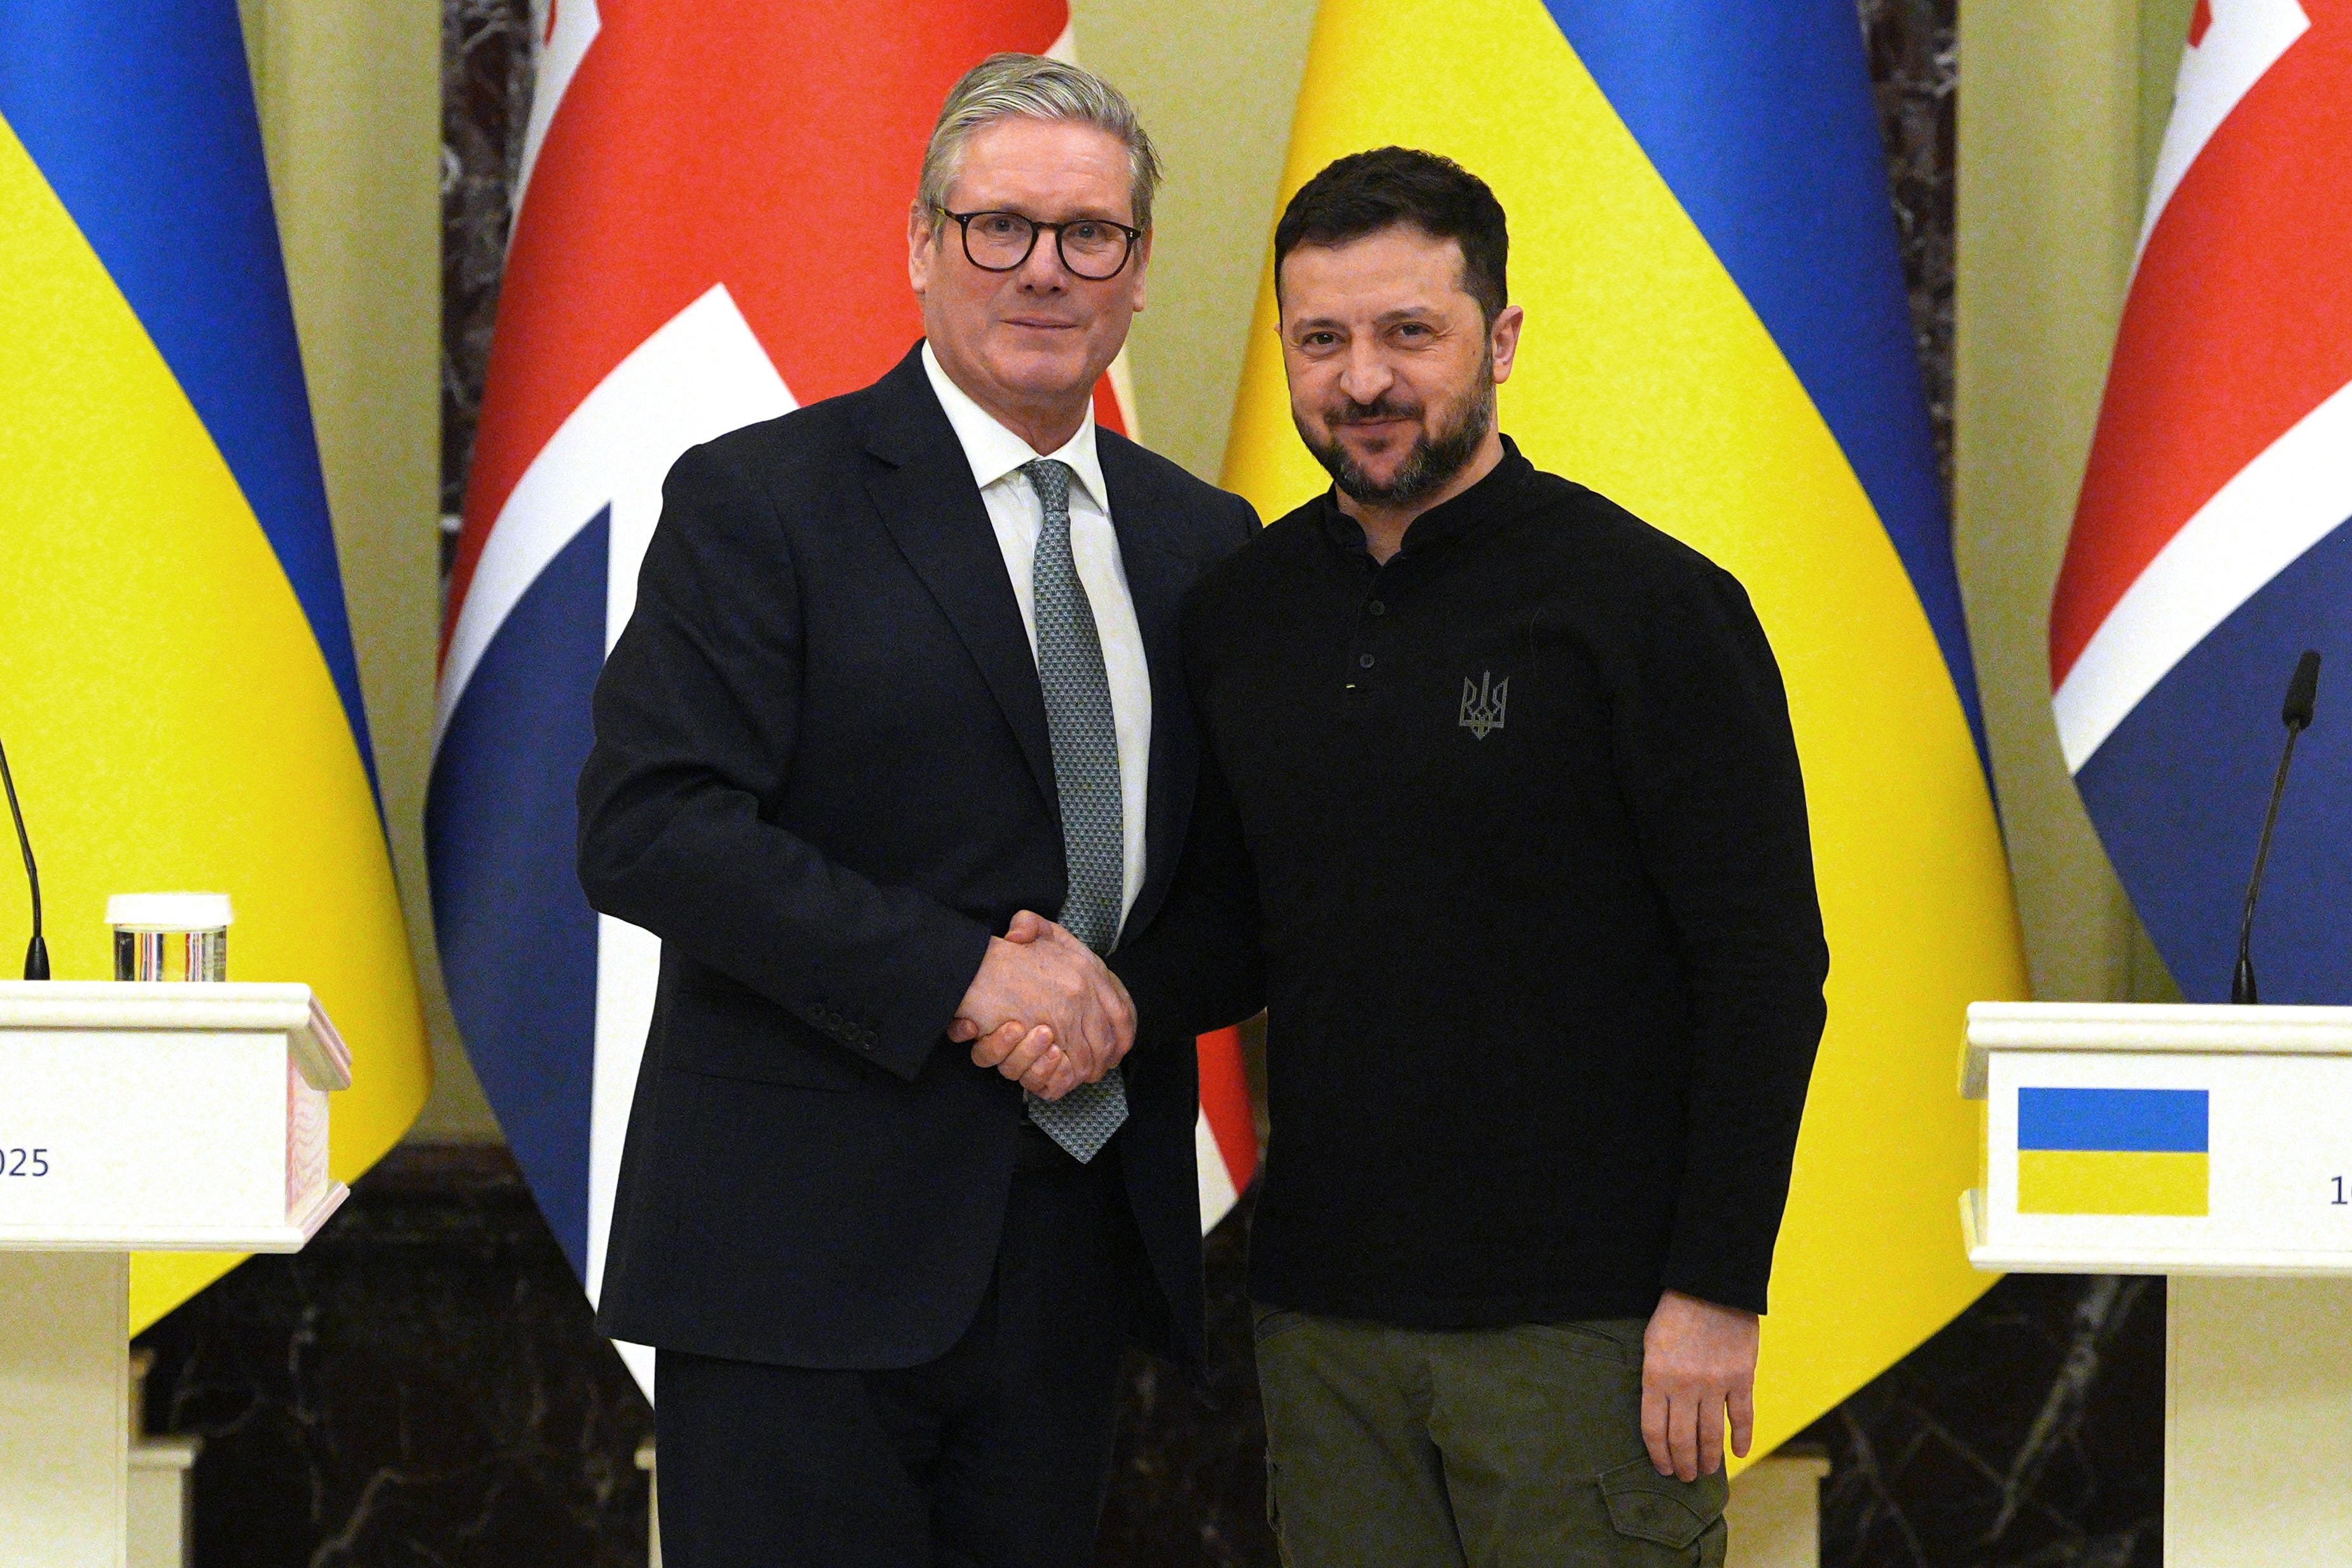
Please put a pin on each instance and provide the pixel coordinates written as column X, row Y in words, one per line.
column 1370, row 412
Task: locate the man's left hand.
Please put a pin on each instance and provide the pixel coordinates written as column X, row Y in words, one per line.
column 1698, row 1368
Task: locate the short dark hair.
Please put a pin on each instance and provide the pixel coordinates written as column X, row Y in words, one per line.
column 1365, row 193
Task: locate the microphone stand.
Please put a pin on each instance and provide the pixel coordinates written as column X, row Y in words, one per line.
column 2301, row 693
column 37, row 951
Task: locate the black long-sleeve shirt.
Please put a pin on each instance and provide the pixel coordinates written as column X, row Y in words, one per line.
column 1508, row 835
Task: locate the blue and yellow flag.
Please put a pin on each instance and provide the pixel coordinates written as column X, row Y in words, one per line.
column 1718, row 338
column 2114, row 1151
column 178, row 691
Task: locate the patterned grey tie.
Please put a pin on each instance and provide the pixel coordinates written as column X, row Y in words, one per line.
column 1086, row 775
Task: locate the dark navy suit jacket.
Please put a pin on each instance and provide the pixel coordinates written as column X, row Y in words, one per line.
column 822, row 777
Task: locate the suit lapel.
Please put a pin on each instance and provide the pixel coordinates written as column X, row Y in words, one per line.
column 1157, row 577
column 924, row 491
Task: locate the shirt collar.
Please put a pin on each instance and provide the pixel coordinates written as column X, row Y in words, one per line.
column 1486, row 498
column 995, row 451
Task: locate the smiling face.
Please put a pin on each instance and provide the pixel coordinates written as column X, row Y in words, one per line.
column 1028, row 345
column 1393, row 367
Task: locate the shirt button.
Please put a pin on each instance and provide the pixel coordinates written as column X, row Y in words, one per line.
column 1376, row 608
column 1364, row 661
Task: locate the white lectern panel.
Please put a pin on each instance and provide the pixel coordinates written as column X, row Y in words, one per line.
column 162, row 1117
column 2266, row 1190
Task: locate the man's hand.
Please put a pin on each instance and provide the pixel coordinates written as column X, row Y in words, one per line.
column 1039, row 980
column 1698, row 1367
column 1029, row 1058
column 1029, row 927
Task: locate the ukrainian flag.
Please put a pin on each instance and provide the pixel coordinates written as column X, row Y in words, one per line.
column 1718, row 338
column 178, row 691
column 2112, row 1151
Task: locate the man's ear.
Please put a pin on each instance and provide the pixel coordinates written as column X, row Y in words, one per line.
column 923, row 227
column 1503, row 340
column 1142, row 261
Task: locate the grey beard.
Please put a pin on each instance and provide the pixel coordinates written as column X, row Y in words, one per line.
column 1428, row 468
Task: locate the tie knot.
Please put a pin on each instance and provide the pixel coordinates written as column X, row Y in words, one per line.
column 1051, row 480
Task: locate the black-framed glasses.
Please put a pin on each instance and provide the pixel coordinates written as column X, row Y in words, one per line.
column 1091, row 249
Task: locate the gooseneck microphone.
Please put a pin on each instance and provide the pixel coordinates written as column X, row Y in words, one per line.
column 37, row 952
column 2302, row 695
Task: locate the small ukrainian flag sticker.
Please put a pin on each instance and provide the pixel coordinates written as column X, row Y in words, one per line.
column 2112, row 1151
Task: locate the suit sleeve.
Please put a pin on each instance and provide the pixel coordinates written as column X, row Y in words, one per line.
column 1708, row 763
column 696, row 721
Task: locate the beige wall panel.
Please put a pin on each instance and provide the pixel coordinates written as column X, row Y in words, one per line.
column 2051, row 181
column 351, row 112
column 2163, row 38
column 1215, row 81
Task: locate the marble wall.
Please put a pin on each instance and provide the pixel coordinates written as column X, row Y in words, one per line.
column 2029, row 1432
column 485, row 77
column 424, row 1387
column 1914, row 47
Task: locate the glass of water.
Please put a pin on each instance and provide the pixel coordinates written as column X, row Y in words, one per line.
column 170, row 936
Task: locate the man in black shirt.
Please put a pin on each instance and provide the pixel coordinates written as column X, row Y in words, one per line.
column 1501, row 820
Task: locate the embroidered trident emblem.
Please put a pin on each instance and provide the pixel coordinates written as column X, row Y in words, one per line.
column 1482, row 704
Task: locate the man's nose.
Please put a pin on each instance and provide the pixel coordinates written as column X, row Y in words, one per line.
column 1041, row 269
column 1366, row 376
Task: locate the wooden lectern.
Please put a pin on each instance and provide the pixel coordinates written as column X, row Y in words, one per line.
column 2212, row 1145
column 133, row 1118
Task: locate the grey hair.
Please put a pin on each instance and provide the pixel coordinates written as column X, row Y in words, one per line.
column 1031, row 87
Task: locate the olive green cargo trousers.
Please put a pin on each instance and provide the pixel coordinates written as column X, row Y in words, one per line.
column 1515, row 1447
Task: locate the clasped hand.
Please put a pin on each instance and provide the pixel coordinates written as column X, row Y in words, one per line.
column 1045, row 1010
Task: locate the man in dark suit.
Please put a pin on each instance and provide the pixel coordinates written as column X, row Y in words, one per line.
column 902, row 666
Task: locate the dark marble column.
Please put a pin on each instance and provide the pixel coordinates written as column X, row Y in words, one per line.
column 486, row 80
column 1914, row 48
column 1187, row 1485
column 2031, row 1431
column 422, row 1386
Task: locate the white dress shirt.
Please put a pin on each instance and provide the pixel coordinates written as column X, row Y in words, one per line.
column 996, row 455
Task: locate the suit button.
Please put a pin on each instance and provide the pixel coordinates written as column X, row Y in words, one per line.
column 1364, row 661
column 1376, row 608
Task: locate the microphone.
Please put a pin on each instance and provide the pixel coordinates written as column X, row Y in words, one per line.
column 2302, row 695
column 37, row 952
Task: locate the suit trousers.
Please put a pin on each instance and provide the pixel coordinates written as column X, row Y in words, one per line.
column 996, row 1455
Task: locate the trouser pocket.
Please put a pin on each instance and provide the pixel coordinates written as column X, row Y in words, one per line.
column 1685, row 1516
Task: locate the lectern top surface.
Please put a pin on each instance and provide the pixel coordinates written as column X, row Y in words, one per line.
column 182, row 1006
column 2147, row 1027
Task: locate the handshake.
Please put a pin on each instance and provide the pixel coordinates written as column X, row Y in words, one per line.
column 1045, row 1010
